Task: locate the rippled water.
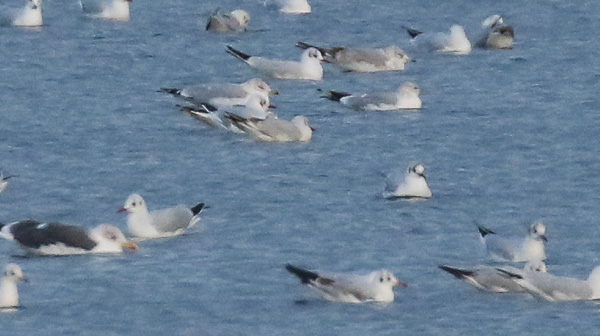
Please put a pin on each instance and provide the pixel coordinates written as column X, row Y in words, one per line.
column 508, row 137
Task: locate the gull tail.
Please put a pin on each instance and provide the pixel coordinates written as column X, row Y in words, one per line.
column 412, row 32
column 459, row 273
column 305, row 276
column 196, row 210
column 237, row 53
column 483, row 231
column 173, row 91
column 333, row 95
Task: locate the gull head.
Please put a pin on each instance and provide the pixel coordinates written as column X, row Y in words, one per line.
column 387, row 279
column 111, row 238
column 536, row 266
column 134, row 203
column 241, row 16
column 313, row 53
column 537, row 231
column 261, row 86
column 14, row 273
column 418, row 169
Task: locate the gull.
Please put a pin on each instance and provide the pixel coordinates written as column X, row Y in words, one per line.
column 274, row 129
column 42, row 238
column 29, row 16
column 116, row 10
column 494, row 279
column 294, row 6
column 256, row 108
column 559, row 288
column 223, row 94
column 406, row 98
column 390, row 58
column 516, row 249
column 4, row 181
column 236, row 21
column 455, row 41
column 495, row 34
column 414, row 185
column 9, row 293
column 309, row 67
column 376, row 286
column 159, row 223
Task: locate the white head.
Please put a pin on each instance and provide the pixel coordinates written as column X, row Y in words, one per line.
column 418, row 169
column 135, row 203
column 409, row 88
column 110, row 239
column 241, row 16
column 537, row 231
column 35, row 4
column 259, row 86
column 13, row 273
column 535, row 266
column 312, row 54
column 385, row 281
column 258, row 102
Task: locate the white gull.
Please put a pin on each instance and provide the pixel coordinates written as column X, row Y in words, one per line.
column 9, row 292
column 274, row 129
column 115, row 10
column 516, row 249
column 29, row 16
column 407, row 97
column 236, row 21
column 413, row 185
column 455, row 41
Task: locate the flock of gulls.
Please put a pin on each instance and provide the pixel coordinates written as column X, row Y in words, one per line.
column 245, row 108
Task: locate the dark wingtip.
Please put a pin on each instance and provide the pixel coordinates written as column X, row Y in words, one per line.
column 412, row 32
column 172, row 91
column 455, row 271
column 304, row 275
column 231, row 50
column 334, row 95
column 483, row 231
column 197, row 209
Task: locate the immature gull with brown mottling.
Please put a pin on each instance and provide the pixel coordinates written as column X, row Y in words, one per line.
column 376, row 286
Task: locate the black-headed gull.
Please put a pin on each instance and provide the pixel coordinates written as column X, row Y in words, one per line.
column 491, row 279
column 391, row 58
column 115, row 10
column 159, row 223
column 223, row 94
column 516, row 249
column 376, row 286
column 236, row 21
column 274, row 129
column 9, row 292
column 413, row 185
column 256, row 108
column 308, row 68
column 407, row 97
column 41, row 238
column 495, row 34
column 294, row 6
column 559, row 288
column 3, row 181
column 455, row 41
column 29, row 16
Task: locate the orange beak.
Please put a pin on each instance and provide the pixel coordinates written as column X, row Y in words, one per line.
column 131, row 245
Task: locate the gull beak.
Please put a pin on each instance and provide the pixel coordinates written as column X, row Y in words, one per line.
column 543, row 237
column 401, row 284
column 122, row 210
column 272, row 106
column 130, row 245
column 24, row 279
column 312, row 128
column 274, row 92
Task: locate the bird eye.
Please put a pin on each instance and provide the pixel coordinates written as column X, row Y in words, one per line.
column 389, row 279
column 133, row 203
column 380, row 279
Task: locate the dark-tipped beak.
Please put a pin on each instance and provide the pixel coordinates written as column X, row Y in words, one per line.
column 543, row 237
column 401, row 284
column 272, row 106
column 121, row 210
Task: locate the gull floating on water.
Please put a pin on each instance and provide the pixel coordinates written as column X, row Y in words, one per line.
column 294, row 6
column 455, row 41
column 29, row 16
column 274, row 129
column 495, row 34
column 9, row 292
column 373, row 287
column 60, row 239
column 159, row 223
column 407, row 97
column 390, row 58
column 115, row 10
column 256, row 108
column 559, row 288
column 414, row 185
column 516, row 249
column 223, row 94
column 492, row 279
column 309, row 67
column 236, row 21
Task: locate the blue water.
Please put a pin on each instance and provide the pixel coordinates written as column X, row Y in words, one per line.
column 508, row 137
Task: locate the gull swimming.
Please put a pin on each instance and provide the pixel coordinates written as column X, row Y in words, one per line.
column 294, row 6
column 559, row 288
column 414, row 185
column 406, row 98
column 516, row 249
column 115, row 10
column 42, row 238
column 236, row 21
column 159, row 223
column 28, row 16
column 308, row 68
column 9, row 292
column 273, row 129
column 492, row 279
column 256, row 108
column 455, row 41
column 223, row 94
column 376, row 286
column 391, row 58
column 495, row 34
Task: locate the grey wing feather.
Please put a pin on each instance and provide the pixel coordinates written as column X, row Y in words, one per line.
column 172, row 219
